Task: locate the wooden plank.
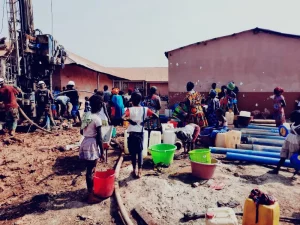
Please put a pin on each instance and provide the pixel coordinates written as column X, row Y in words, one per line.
column 145, row 215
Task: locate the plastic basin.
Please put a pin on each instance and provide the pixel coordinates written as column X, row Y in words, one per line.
column 104, row 183
column 200, row 155
column 203, row 170
column 163, row 153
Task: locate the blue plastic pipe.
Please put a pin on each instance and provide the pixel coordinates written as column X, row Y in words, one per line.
column 276, row 131
column 258, row 132
column 258, row 148
column 256, row 159
column 247, row 152
column 263, row 136
column 266, row 148
column 263, row 141
column 272, row 129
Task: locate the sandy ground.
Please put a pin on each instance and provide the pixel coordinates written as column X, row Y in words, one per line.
column 41, row 184
column 168, row 194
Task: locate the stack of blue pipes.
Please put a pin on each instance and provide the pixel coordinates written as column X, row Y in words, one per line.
column 261, row 145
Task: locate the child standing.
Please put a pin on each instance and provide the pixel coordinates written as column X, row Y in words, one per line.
column 136, row 116
column 291, row 144
column 279, row 104
column 89, row 148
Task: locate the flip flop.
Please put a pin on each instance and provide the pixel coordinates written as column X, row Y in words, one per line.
column 217, row 186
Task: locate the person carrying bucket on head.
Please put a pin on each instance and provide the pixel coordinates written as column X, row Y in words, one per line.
column 136, row 116
column 291, row 144
column 91, row 148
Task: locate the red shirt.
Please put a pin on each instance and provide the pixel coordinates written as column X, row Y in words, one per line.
column 8, row 96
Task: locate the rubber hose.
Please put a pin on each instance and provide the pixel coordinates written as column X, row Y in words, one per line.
column 31, row 122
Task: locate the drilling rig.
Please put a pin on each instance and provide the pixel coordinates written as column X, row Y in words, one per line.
column 31, row 55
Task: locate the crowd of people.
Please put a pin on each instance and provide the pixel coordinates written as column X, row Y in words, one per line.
column 108, row 107
column 113, row 107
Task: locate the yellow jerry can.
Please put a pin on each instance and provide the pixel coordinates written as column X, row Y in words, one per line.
column 267, row 214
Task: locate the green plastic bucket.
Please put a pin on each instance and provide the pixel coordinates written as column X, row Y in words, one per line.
column 163, row 153
column 200, row 155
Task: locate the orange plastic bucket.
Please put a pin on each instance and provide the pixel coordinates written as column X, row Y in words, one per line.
column 125, row 124
column 104, row 183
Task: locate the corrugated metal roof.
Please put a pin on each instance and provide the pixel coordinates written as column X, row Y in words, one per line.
column 154, row 74
column 78, row 60
column 254, row 30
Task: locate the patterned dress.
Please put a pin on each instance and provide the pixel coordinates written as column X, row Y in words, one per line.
column 196, row 114
column 279, row 115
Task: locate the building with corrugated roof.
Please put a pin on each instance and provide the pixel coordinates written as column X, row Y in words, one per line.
column 257, row 60
column 88, row 75
column 142, row 78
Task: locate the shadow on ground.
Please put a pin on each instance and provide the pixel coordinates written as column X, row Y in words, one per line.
column 186, row 178
column 124, row 182
column 44, row 202
column 66, row 165
column 268, row 178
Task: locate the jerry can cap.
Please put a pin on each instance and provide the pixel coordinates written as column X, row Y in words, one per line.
column 209, row 215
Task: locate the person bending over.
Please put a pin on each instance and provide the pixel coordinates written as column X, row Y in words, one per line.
column 291, row 144
column 188, row 135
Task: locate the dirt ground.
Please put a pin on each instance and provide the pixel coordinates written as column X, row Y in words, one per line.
column 40, row 183
column 168, row 193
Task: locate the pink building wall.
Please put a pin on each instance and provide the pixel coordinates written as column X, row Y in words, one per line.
column 256, row 62
column 162, row 88
column 84, row 79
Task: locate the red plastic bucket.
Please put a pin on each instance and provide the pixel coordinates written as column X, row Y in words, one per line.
column 203, row 170
column 104, row 183
column 175, row 124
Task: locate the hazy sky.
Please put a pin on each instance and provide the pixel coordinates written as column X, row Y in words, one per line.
column 133, row 33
